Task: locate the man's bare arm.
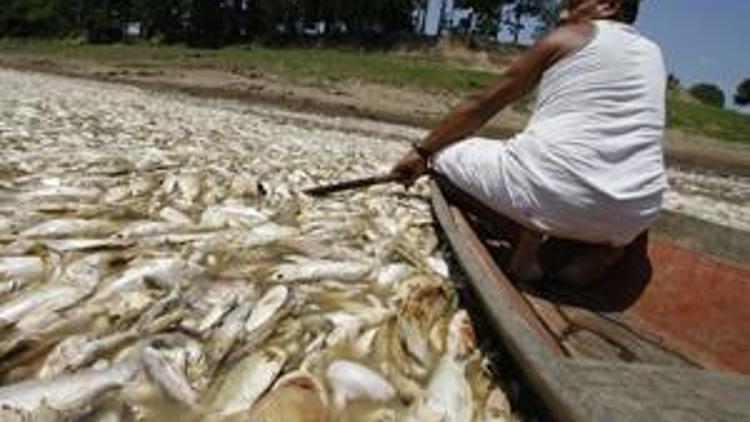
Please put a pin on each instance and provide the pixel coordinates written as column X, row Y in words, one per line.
column 518, row 79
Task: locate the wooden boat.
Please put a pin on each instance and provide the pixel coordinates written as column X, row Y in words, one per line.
column 665, row 336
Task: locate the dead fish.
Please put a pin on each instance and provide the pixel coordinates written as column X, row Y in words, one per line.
column 496, row 408
column 67, row 393
column 141, row 229
column 7, row 287
column 21, row 269
column 348, row 325
column 174, row 216
column 70, row 228
column 61, row 192
column 267, row 310
column 246, row 382
column 83, row 245
column 149, row 320
column 87, row 272
column 78, row 351
column 217, row 312
column 244, row 185
column 189, row 186
column 438, row 265
column 230, row 215
column 353, row 381
column 312, row 270
column 226, row 334
column 165, row 272
column 245, row 239
column 448, row 393
column 391, row 274
column 421, row 310
column 48, row 298
column 364, row 344
column 169, row 378
column 297, row 397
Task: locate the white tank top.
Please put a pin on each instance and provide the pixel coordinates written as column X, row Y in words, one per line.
column 594, row 143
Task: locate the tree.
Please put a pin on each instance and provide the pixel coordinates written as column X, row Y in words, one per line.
column 207, row 23
column 742, row 97
column 673, row 82
column 518, row 12
column 489, row 14
column 547, row 17
column 709, row 94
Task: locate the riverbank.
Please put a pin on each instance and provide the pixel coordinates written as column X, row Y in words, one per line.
column 409, row 88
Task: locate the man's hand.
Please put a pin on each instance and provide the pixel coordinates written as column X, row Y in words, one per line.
column 410, row 168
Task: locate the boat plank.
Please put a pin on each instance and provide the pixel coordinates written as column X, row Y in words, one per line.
column 634, row 347
column 555, row 322
column 630, row 392
column 588, row 345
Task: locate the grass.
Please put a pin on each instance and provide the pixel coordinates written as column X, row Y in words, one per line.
column 327, row 67
column 713, row 122
column 298, row 65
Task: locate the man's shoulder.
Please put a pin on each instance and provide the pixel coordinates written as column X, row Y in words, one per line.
column 569, row 37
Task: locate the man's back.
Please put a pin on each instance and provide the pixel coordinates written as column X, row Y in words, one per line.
column 593, row 147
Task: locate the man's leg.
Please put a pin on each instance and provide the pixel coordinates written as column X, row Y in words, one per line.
column 589, row 266
column 525, row 264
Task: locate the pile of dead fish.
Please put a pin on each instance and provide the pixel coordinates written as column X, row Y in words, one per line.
column 174, row 272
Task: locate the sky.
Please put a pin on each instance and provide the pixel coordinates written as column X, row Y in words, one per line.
column 702, row 40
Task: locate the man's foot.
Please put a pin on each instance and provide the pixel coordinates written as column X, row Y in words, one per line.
column 525, row 265
column 589, row 267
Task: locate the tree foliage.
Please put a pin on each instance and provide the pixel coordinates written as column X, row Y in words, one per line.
column 709, row 94
column 742, row 97
column 673, row 82
column 216, row 22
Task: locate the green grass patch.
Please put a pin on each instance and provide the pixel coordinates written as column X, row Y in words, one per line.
column 299, row 65
column 713, row 122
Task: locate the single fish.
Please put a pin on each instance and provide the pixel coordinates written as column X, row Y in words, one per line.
column 246, row 382
column 169, row 378
column 298, row 396
column 226, row 334
column 217, row 312
column 174, row 216
column 48, row 298
column 496, row 408
column 78, row 351
column 87, row 272
column 313, row 270
column 61, row 192
column 423, row 308
column 448, row 392
column 83, row 245
column 22, row 269
column 70, row 228
column 67, row 393
column 230, row 215
column 351, row 381
column 167, row 273
column 141, row 229
column 268, row 310
column 390, row 275
column 245, row 239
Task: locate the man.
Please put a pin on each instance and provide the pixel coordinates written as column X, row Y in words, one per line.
column 589, row 166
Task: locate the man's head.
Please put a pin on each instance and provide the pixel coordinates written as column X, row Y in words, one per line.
column 621, row 10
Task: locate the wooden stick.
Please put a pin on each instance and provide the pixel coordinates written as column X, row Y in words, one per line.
column 353, row 184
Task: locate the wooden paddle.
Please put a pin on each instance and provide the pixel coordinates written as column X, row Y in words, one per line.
column 354, row 184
